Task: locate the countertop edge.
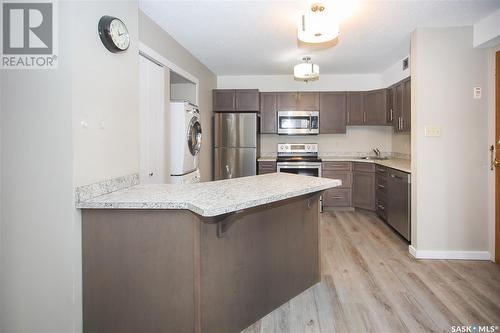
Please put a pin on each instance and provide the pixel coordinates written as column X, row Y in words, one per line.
column 188, row 205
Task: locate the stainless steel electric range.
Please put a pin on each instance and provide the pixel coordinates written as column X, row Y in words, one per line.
column 299, row 158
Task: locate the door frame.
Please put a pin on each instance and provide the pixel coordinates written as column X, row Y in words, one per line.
column 497, row 156
column 157, row 58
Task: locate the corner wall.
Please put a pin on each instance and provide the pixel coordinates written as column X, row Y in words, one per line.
column 449, row 183
column 152, row 35
column 46, row 153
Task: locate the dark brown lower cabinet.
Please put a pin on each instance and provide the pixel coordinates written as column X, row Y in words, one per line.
column 339, row 197
column 266, row 167
column 363, row 186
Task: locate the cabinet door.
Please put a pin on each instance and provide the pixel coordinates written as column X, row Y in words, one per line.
column 247, row 100
column 268, row 113
column 224, row 100
column 406, row 112
column 389, row 101
column 398, row 106
column 375, row 112
column 354, row 108
column 332, row 113
column 308, row 101
column 363, row 190
column 287, row 101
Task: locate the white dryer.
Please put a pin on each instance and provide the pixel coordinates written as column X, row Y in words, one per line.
column 185, row 139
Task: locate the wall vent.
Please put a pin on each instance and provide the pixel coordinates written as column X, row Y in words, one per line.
column 405, row 63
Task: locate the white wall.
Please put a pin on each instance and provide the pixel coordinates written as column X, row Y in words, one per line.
column 487, row 31
column 287, row 83
column 46, row 153
column 157, row 39
column 449, row 172
column 491, row 141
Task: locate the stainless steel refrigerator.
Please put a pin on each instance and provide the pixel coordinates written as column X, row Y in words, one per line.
column 236, row 145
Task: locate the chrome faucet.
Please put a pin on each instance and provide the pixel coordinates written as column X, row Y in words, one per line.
column 377, row 152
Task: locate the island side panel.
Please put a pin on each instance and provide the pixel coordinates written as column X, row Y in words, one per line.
column 267, row 256
column 139, row 271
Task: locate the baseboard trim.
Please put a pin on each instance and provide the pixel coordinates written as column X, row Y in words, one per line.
column 451, row 255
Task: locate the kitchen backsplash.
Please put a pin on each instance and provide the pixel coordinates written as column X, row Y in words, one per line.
column 358, row 141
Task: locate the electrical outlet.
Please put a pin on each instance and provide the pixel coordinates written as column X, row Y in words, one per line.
column 432, row 131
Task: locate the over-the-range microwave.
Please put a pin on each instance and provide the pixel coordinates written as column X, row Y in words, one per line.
column 298, row 122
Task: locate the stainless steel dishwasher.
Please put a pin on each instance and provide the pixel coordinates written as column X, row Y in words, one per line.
column 399, row 192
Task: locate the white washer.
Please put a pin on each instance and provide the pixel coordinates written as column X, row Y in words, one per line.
column 185, row 139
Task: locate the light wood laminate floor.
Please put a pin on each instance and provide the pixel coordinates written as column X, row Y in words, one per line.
column 370, row 283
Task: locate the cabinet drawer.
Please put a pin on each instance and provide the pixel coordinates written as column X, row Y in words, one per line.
column 381, row 170
column 381, row 209
column 337, row 198
column 344, row 176
column 337, row 166
column 364, row 167
column 381, row 183
column 267, row 167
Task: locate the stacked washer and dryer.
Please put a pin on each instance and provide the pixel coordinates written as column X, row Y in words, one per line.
column 185, row 141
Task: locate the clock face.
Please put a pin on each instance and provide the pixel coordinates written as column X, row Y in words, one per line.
column 119, row 34
column 114, row 34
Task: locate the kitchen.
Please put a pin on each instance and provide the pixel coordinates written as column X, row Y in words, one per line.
column 391, row 112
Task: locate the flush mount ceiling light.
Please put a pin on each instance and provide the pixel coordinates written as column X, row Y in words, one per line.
column 318, row 25
column 306, row 71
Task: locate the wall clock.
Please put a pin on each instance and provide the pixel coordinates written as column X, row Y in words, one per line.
column 114, row 34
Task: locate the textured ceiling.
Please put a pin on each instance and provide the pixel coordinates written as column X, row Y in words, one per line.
column 260, row 37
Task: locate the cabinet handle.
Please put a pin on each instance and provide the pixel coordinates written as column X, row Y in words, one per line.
column 402, row 123
column 380, row 186
column 399, row 123
column 364, row 117
column 381, row 170
column 381, row 207
column 348, row 117
column 336, row 197
column 392, row 115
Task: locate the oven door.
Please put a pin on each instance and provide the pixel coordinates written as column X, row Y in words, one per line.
column 300, row 168
column 298, row 122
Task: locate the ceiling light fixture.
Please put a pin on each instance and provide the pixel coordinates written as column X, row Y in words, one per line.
column 318, row 25
column 306, row 71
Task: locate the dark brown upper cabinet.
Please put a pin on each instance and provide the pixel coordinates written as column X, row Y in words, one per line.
column 268, row 113
column 298, row 101
column 355, row 113
column 224, row 100
column 401, row 101
column 332, row 112
column 406, row 113
column 247, row 100
column 374, row 108
column 287, row 101
column 236, row 100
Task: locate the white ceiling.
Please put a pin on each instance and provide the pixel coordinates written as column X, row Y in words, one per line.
column 260, row 37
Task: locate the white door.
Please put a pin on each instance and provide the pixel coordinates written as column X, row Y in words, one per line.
column 151, row 114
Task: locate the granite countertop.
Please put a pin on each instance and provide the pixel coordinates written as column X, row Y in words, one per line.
column 212, row 198
column 395, row 163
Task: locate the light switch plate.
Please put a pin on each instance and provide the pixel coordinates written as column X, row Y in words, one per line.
column 477, row 93
column 432, row 131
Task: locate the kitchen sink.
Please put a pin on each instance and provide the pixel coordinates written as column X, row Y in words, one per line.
column 374, row 158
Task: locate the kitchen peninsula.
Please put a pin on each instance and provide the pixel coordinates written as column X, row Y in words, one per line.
column 206, row 257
